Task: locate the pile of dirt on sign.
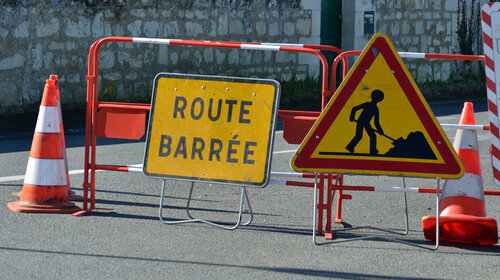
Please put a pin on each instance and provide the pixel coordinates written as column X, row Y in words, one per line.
column 414, row 146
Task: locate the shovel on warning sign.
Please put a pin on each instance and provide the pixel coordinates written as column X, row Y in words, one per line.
column 394, row 141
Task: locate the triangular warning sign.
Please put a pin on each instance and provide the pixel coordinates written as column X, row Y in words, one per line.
column 378, row 122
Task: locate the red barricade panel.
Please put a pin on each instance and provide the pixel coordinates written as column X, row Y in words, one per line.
column 120, row 123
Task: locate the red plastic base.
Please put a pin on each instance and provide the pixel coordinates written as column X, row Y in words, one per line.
column 22, row 207
column 462, row 229
column 72, row 196
column 328, row 236
column 86, row 211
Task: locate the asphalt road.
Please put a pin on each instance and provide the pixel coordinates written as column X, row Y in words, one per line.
column 131, row 243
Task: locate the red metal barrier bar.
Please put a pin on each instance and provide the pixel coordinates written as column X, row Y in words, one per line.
column 292, row 174
column 342, row 187
column 311, row 46
column 311, row 49
column 92, row 89
column 120, row 168
column 301, row 113
column 291, row 183
column 430, row 190
column 138, row 168
column 444, row 56
column 398, row 189
column 466, row 126
column 129, row 106
column 447, row 126
column 331, row 187
column 298, row 117
column 342, row 57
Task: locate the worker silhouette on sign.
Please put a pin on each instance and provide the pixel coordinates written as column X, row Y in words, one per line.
column 370, row 111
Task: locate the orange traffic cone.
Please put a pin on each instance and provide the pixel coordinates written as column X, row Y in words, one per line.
column 72, row 196
column 462, row 211
column 45, row 188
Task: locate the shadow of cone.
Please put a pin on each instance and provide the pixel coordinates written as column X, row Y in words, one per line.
column 462, row 211
column 72, row 196
column 45, row 188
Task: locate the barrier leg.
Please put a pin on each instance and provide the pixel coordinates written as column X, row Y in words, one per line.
column 338, row 215
column 340, row 197
column 86, row 209
column 329, row 197
column 406, row 210
column 320, row 204
column 244, row 196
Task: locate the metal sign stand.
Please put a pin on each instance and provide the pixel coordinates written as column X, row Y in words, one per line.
column 244, row 196
column 315, row 210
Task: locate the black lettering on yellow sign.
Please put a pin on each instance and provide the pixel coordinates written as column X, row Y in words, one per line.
column 231, row 153
column 197, row 109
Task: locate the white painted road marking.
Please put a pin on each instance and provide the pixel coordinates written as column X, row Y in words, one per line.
column 80, row 171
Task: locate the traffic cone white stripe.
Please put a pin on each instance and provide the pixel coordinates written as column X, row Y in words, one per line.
column 468, row 140
column 71, row 194
column 59, row 109
column 495, row 160
column 37, row 170
column 48, row 120
column 465, row 186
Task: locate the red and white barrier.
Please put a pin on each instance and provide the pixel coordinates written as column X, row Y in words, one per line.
column 137, row 168
column 440, row 56
column 135, row 112
column 342, row 57
column 490, row 14
column 466, row 126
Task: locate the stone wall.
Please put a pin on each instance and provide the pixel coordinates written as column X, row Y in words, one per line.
column 427, row 26
column 353, row 37
column 43, row 37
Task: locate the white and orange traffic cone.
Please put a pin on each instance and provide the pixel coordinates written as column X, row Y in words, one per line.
column 72, row 196
column 462, row 211
column 45, row 188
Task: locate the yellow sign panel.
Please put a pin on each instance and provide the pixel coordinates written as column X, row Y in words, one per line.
column 373, row 119
column 378, row 122
column 210, row 128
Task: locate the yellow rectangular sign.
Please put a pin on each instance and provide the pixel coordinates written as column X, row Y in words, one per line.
column 211, row 128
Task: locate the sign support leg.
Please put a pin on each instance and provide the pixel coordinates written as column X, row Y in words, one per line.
column 243, row 198
column 315, row 206
column 406, row 210
column 321, row 203
column 437, row 214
